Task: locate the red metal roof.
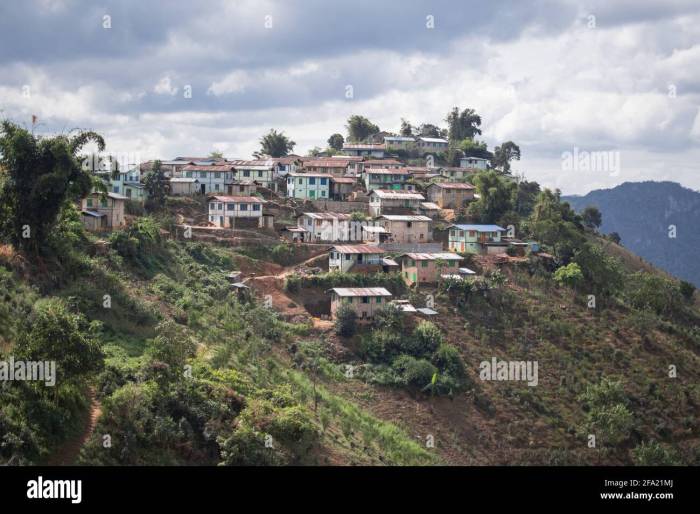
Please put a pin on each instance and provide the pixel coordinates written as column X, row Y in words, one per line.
column 357, row 249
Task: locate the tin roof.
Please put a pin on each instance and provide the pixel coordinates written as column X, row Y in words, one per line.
column 239, row 199
column 480, row 228
column 452, row 185
column 310, row 174
column 445, row 256
column 357, row 249
column 360, row 291
column 326, row 215
column 344, row 180
column 209, row 168
column 397, row 195
column 405, row 217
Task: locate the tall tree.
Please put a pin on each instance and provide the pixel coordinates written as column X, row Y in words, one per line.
column 275, row 144
column 430, row 130
column 156, row 188
column 503, row 154
column 592, row 218
column 496, row 197
column 41, row 175
column 360, row 128
column 336, row 141
column 406, row 128
column 216, row 154
column 464, row 124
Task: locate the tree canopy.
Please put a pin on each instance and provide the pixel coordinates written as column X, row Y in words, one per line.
column 360, row 128
column 276, row 144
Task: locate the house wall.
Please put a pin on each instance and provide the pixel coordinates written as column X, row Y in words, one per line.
column 183, row 188
column 220, row 213
column 449, row 198
column 363, row 310
column 303, row 188
column 417, row 232
column 114, row 209
column 425, row 272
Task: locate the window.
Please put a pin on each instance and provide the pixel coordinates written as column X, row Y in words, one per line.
column 312, row 194
column 365, row 299
column 301, row 181
column 217, row 174
column 220, row 206
column 188, row 174
column 202, row 174
column 246, row 173
column 260, row 174
column 256, row 206
column 230, row 206
column 323, row 193
column 312, row 181
column 348, row 257
column 89, row 202
column 115, row 189
column 244, row 207
column 216, row 187
column 379, row 299
column 103, row 203
column 324, row 181
column 423, row 264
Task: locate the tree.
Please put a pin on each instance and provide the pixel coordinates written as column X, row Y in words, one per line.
column 525, row 197
column 462, row 125
column 156, row 186
column 472, row 148
column 53, row 333
column 360, row 128
column 430, row 130
column 503, row 154
column 496, row 196
column 41, row 175
column 569, row 275
column 216, row 154
column 275, row 144
column 615, row 238
column 336, row 141
column 591, row 216
column 314, row 152
column 426, row 339
column 406, row 128
column 345, row 321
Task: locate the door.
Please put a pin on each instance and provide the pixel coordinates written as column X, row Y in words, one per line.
column 203, row 189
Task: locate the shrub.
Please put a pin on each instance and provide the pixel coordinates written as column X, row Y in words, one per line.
column 653, row 454
column 448, row 361
column 687, row 290
column 381, row 345
column 569, row 275
column 345, row 321
column 412, row 372
column 425, row 340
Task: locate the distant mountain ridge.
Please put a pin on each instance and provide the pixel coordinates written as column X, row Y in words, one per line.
column 644, row 214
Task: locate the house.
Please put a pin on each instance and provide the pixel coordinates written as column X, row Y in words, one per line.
column 388, row 164
column 170, row 168
column 477, row 163
column 309, row 185
column 478, row 239
column 394, row 202
column 381, row 178
column 342, row 187
column 235, row 188
column 356, row 163
column 451, row 173
column 224, row 210
column 135, row 191
column 211, row 178
column 183, row 186
column 362, row 149
column 407, row 228
column 434, row 144
column 365, row 301
column 399, row 142
column 336, row 167
column 429, row 209
column 327, row 226
column 287, row 164
column 427, row 268
column 109, row 208
column 262, row 171
column 450, row 195
column 358, row 258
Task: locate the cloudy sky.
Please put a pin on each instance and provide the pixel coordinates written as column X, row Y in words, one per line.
column 619, row 78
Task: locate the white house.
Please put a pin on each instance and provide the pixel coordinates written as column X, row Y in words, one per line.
column 223, row 210
column 397, row 202
column 478, row 163
column 355, row 257
column 309, row 185
column 435, row 144
column 211, row 178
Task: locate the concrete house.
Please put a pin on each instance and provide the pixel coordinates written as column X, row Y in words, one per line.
column 364, row 149
column 211, row 179
column 451, row 173
column 387, row 164
column 103, row 211
column 365, row 301
column 434, row 144
column 427, row 268
column 235, row 188
column 478, row 239
column 309, row 185
column 407, row 228
column 476, row 163
column 381, row 178
column 450, row 195
column 287, row 164
column 262, row 171
column 356, row 258
column 327, row 226
column 394, row 202
column 223, row 211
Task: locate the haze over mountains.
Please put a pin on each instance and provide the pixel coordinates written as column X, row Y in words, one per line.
column 644, row 214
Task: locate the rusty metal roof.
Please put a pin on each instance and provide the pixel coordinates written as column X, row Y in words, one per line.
column 445, row 256
column 361, row 291
column 357, row 249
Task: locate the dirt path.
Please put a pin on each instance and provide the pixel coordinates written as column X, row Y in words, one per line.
column 67, row 454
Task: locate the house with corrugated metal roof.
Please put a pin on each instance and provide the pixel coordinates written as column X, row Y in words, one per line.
column 261, row 171
column 478, row 239
column 211, row 178
column 475, row 163
column 309, row 185
column 450, row 195
column 436, row 144
column 365, row 301
column 395, row 179
column 224, row 210
column 382, row 201
column 325, row 226
column 407, row 228
column 426, row 268
column 356, row 258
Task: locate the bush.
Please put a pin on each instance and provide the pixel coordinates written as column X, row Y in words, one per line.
column 448, row 361
column 687, row 290
column 648, row 291
column 412, row 372
column 381, row 345
column 345, row 321
column 425, row 340
column 569, row 275
column 653, row 454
